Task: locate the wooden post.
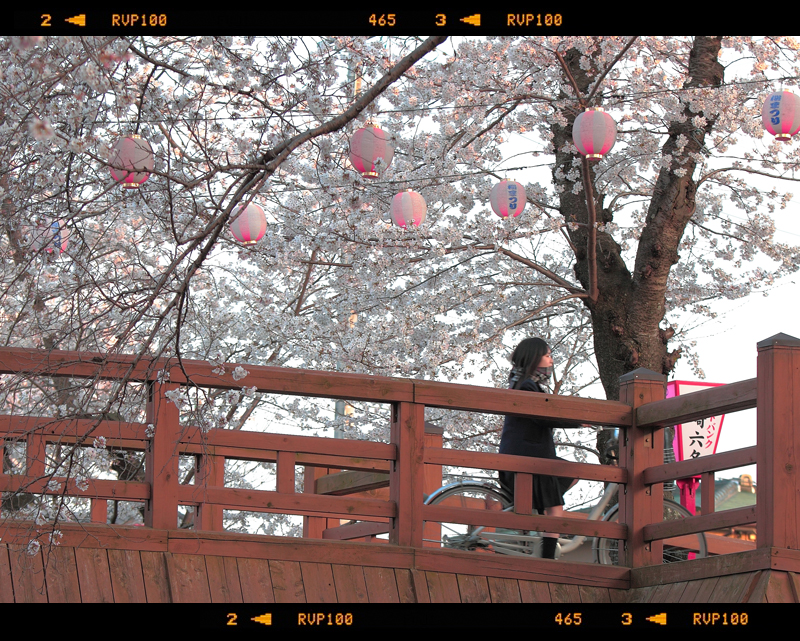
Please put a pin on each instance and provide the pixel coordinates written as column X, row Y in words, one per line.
column 407, row 476
column 641, row 504
column 35, row 456
column 433, row 473
column 161, row 459
column 99, row 511
column 432, row 532
column 210, row 473
column 285, row 472
column 314, row 526
column 707, row 489
column 778, row 421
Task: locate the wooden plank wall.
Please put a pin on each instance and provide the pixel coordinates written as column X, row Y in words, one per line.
column 100, row 575
column 76, row 575
column 762, row 586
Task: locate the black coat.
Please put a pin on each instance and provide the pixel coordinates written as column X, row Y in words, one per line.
column 525, row 436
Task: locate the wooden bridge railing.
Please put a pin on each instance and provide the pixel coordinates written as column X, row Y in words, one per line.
column 640, row 415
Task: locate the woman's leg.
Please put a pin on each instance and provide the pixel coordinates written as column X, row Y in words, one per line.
column 549, row 539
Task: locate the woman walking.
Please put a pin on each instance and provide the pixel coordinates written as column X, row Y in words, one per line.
column 532, row 368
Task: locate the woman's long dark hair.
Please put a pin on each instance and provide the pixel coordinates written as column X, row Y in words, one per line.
column 526, row 358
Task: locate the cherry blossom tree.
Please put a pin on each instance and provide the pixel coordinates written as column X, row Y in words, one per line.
column 679, row 213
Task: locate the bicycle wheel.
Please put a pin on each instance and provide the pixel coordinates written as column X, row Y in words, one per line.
column 606, row 551
column 458, row 536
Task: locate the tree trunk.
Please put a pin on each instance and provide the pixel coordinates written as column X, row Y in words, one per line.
column 630, row 307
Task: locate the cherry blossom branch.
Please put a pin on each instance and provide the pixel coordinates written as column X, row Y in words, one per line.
column 542, row 270
column 609, row 68
column 541, row 308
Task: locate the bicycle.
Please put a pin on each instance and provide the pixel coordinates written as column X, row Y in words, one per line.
column 519, row 543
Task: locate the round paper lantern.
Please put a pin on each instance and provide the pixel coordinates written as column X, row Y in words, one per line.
column 49, row 236
column 594, row 133
column 131, row 161
column 507, row 198
column 250, row 224
column 367, row 146
column 408, row 208
column 781, row 115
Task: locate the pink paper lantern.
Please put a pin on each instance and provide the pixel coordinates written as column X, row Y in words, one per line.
column 408, row 208
column 781, row 115
column 594, row 133
column 368, row 146
column 250, row 224
column 507, row 198
column 131, row 161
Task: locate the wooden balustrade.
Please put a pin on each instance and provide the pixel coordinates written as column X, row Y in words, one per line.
column 405, row 464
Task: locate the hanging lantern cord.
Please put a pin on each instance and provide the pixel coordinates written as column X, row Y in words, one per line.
column 591, row 249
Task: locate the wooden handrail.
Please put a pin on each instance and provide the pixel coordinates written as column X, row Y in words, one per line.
column 693, row 467
column 690, row 407
column 693, row 524
column 319, row 384
column 403, row 459
column 528, row 464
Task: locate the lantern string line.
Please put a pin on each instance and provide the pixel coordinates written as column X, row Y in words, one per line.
column 628, row 98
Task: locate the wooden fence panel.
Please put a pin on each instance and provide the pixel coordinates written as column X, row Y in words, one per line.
column 255, row 579
column 156, row 577
column 318, row 582
column 127, row 579
column 351, row 587
column 223, row 579
column 381, row 585
column 94, row 575
column 505, row 590
column 411, row 586
column 61, row 576
column 188, row 578
column 534, row 592
column 443, row 587
column 6, row 581
column 473, row 589
column 287, row 582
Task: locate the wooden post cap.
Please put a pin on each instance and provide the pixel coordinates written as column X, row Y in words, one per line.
column 642, row 374
column 779, row 339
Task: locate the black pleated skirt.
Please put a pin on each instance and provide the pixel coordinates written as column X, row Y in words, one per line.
column 548, row 491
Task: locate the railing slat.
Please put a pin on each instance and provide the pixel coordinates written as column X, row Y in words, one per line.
column 496, row 401
column 693, row 467
column 230, row 498
column 527, row 464
column 290, row 443
column 97, row 488
column 693, row 524
column 275, row 380
column 509, row 520
column 691, row 407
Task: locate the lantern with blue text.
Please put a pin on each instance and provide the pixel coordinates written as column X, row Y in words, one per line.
column 507, row 198
column 781, row 115
column 370, row 151
column 408, row 208
column 594, row 133
column 249, row 224
column 131, row 161
column 50, row 236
